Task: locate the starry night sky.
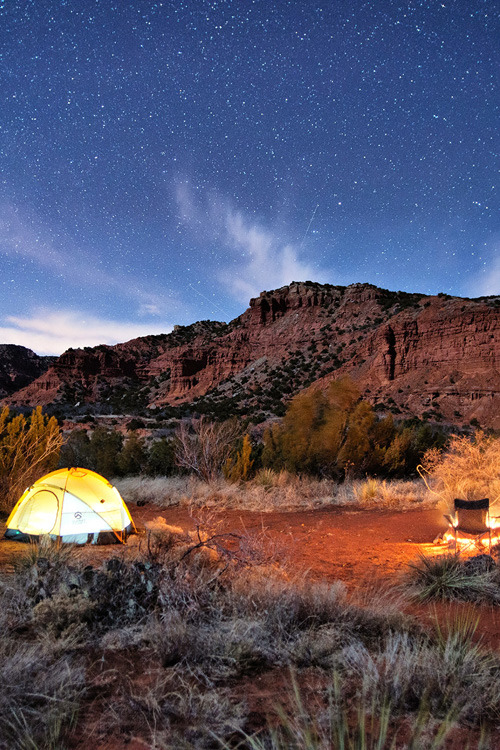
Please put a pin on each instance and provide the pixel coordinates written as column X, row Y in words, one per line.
column 162, row 162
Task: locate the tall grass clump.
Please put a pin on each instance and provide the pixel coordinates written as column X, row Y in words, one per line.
column 446, row 671
column 46, row 550
column 449, row 577
column 42, row 687
column 369, row 490
column 336, row 718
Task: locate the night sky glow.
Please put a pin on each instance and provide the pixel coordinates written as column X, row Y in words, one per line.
column 162, row 162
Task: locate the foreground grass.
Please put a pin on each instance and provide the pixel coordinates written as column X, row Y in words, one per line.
column 167, row 644
column 271, row 491
column 359, row 725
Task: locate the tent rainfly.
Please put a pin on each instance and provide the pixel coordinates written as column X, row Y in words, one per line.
column 72, row 505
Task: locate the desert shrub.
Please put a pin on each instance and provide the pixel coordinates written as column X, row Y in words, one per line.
column 313, row 430
column 133, row 457
column 161, row 459
column 469, row 469
column 29, row 448
column 121, row 592
column 106, row 452
column 183, row 716
column 135, row 424
column 76, row 449
column 339, row 435
column 225, row 627
column 99, row 452
column 60, row 593
column 104, row 449
column 63, row 615
column 301, row 614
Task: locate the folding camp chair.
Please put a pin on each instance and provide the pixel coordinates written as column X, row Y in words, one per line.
column 471, row 522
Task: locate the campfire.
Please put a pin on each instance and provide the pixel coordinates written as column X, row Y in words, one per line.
column 471, row 526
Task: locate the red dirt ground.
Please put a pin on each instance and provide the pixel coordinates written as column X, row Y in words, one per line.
column 362, row 548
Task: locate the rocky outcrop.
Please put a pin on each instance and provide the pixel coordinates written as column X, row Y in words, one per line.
column 411, row 354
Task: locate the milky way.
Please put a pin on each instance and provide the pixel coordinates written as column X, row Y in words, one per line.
column 163, row 162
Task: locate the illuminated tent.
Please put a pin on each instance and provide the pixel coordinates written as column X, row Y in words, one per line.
column 73, row 505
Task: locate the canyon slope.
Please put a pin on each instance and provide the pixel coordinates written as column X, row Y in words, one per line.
column 435, row 357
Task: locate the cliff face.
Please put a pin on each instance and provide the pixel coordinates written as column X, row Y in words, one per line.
column 442, row 358
column 275, row 323
column 410, row 354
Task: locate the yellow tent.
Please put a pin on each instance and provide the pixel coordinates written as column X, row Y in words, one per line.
column 73, row 505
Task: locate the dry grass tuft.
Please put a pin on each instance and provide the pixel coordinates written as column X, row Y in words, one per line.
column 375, row 493
column 449, row 577
column 335, row 719
column 42, row 687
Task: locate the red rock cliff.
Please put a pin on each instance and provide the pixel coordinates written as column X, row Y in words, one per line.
column 409, row 353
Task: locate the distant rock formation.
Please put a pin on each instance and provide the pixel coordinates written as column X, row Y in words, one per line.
column 19, row 367
column 411, row 354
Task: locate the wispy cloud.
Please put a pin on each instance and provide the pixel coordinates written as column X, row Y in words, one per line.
column 28, row 238
column 265, row 261
column 255, row 257
column 49, row 332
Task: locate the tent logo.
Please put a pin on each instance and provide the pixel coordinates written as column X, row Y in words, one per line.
column 78, row 515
